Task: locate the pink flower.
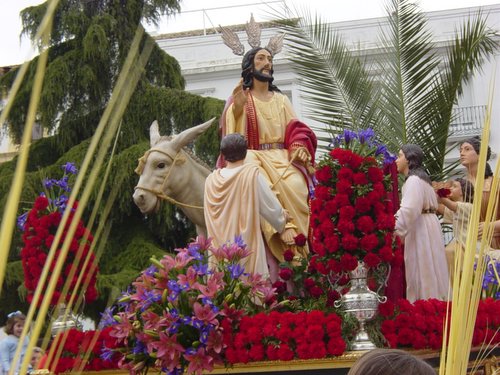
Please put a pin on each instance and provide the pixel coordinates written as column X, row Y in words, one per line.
column 122, row 329
column 168, row 350
column 205, row 313
column 214, row 284
column 199, row 361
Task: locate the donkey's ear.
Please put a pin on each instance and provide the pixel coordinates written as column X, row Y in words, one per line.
column 188, row 135
column 154, row 133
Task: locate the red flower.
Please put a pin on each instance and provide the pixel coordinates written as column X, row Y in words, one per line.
column 332, row 243
column 443, row 192
column 375, row 174
column 280, row 286
column 371, row 260
column 347, row 213
column 359, row 179
column 345, row 173
column 345, row 226
column 349, row 242
column 300, row 240
column 365, row 224
column 324, row 174
column 41, row 203
column 362, row 205
column 285, row 273
column 369, row 242
column 316, row 291
column 348, row 262
column 288, row 255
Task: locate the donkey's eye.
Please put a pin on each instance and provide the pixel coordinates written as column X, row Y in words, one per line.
column 161, row 165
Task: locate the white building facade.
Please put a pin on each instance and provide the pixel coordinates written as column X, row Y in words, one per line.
column 211, row 69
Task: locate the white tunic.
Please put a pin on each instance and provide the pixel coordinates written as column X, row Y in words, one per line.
column 425, row 260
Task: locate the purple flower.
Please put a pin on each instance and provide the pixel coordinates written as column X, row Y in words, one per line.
column 139, row 348
column 107, row 318
column 365, row 136
column 70, row 168
column 201, row 269
column 107, row 354
column 236, row 270
column 63, row 184
column 48, row 183
column 21, row 220
column 348, row 136
column 150, row 271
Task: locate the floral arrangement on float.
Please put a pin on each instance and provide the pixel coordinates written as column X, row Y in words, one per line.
column 177, row 311
column 421, row 325
column 352, row 220
column 88, row 351
column 39, row 227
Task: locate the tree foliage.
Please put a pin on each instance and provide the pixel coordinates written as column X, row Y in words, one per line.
column 89, row 43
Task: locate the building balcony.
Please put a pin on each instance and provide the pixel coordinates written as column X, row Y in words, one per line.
column 467, row 122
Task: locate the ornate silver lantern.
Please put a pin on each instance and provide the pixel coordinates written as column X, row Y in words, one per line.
column 362, row 303
column 65, row 320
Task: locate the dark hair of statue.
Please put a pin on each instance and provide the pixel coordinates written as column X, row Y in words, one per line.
column 475, row 142
column 247, row 67
column 415, row 157
column 390, row 362
column 233, row 147
column 467, row 189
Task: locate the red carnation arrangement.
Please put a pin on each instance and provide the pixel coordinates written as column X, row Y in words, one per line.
column 90, row 350
column 351, row 215
column 39, row 227
column 283, row 336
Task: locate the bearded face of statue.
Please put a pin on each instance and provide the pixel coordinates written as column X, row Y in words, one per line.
column 257, row 63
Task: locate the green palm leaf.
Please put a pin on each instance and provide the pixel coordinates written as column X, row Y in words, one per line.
column 410, row 100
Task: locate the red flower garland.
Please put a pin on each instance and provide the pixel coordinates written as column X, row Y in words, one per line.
column 39, row 231
column 283, row 336
column 421, row 324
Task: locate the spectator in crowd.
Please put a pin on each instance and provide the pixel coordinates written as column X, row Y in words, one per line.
column 13, row 328
column 390, row 362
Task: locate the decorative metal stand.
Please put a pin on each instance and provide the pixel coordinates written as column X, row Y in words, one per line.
column 65, row 320
column 362, row 303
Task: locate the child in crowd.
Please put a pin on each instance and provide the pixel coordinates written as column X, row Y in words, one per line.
column 13, row 328
column 456, row 209
column 35, row 359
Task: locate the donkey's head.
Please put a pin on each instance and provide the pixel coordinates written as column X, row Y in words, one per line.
column 166, row 169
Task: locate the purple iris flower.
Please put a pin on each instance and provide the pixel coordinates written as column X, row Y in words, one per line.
column 235, row 270
column 21, row 220
column 107, row 318
column 107, row 354
column 70, row 168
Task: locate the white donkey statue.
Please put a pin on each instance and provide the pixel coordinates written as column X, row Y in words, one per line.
column 169, row 172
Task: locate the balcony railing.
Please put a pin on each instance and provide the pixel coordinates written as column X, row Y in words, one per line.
column 467, row 121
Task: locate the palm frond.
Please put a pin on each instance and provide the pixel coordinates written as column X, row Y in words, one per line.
column 408, row 68
column 337, row 90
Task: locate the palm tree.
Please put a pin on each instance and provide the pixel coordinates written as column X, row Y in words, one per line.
column 411, row 97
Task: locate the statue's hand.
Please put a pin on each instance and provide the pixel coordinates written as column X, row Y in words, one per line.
column 302, row 155
column 288, row 236
column 240, row 98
